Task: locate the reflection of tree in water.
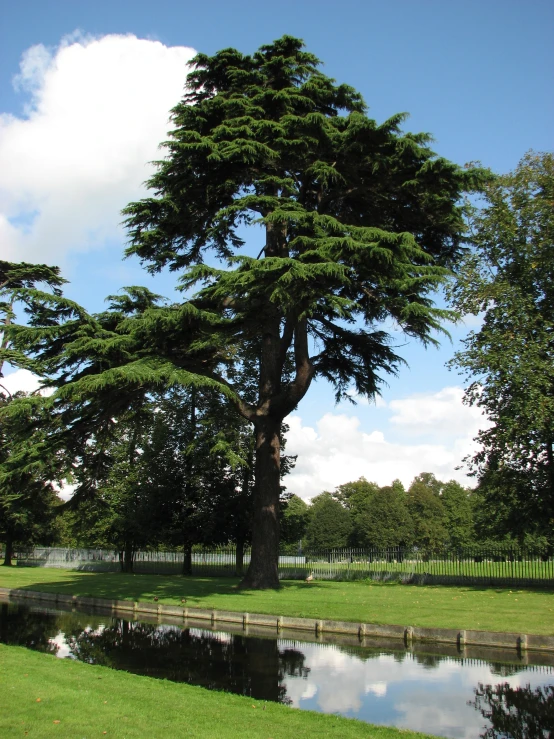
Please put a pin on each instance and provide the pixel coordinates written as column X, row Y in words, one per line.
column 503, row 670
column 22, row 626
column 364, row 654
column 27, row 629
column 516, row 713
column 429, row 661
column 238, row 664
column 244, row 665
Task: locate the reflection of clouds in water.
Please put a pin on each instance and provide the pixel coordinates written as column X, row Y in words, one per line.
column 447, row 714
column 334, row 679
column 399, row 691
column 429, row 695
column 451, row 715
column 62, row 647
column 379, row 689
column 300, row 690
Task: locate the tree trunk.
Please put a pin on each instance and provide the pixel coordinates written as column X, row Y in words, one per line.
column 263, row 570
column 239, row 558
column 187, row 558
column 550, row 461
column 9, row 552
column 128, row 556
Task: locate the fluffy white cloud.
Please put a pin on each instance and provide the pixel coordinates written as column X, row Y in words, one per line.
column 338, row 450
column 20, row 380
column 441, row 413
column 98, row 109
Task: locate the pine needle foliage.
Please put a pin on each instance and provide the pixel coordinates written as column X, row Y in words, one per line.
column 362, row 223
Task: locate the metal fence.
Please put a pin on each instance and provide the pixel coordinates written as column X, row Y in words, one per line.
column 472, row 565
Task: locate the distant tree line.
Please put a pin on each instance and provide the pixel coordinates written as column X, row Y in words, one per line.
column 430, row 515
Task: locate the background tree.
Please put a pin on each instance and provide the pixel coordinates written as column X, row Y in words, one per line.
column 381, row 518
column 502, row 514
column 27, row 496
column 294, row 522
column 360, row 225
column 427, row 513
column 329, row 524
column 351, row 494
column 28, row 499
column 508, row 277
column 458, row 507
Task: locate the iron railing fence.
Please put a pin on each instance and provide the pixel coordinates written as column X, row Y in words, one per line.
column 482, row 565
column 476, row 564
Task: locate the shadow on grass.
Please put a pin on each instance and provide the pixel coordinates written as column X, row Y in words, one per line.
column 146, row 587
column 172, row 589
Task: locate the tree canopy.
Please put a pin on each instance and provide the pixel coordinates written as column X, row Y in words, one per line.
column 508, row 278
column 27, row 468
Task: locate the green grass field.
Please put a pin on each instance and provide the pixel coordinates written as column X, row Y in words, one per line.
column 489, row 609
column 45, row 697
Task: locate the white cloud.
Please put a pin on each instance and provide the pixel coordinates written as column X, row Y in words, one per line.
column 20, row 381
column 441, row 413
column 98, row 109
column 339, row 451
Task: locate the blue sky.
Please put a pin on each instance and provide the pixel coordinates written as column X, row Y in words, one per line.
column 85, row 90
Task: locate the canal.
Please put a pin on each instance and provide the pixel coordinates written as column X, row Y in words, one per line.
column 429, row 689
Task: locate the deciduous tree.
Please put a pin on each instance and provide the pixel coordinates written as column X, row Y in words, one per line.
column 329, row 524
column 508, row 278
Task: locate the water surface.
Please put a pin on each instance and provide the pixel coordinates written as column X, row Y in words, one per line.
column 420, row 691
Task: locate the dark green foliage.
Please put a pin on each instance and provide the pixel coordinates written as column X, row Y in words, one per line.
column 294, row 520
column 361, row 222
column 27, row 498
column 509, row 277
column 459, row 513
column 430, row 515
column 351, row 494
column 329, row 524
column 380, row 518
column 427, row 513
column 172, row 475
column 27, row 470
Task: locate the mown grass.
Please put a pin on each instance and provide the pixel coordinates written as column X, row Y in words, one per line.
column 44, row 697
column 489, row 609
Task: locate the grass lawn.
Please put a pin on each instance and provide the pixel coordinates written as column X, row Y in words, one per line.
column 43, row 697
column 490, row 609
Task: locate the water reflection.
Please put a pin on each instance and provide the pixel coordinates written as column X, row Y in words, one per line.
column 521, row 713
column 254, row 667
column 425, row 692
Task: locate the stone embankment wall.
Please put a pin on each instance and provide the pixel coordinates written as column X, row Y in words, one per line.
column 288, row 626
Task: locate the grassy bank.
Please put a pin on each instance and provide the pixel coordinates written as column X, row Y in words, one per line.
column 493, row 609
column 43, row 697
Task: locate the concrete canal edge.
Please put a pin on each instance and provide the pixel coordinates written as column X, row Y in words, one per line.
column 281, row 624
